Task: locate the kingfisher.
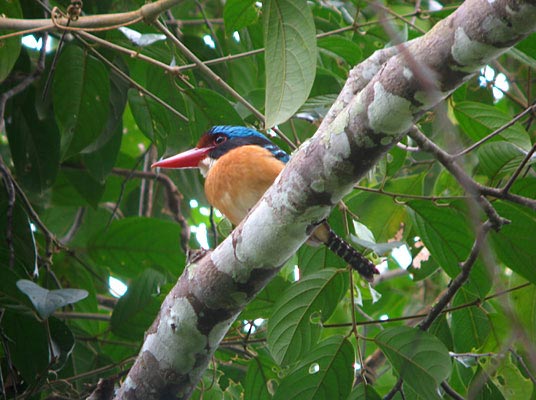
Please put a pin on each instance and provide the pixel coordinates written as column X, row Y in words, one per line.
column 239, row 164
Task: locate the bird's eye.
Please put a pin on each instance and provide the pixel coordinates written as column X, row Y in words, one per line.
column 219, row 139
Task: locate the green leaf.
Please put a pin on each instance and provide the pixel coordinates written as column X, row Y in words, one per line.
column 419, row 358
column 364, row 392
column 509, row 379
column 260, row 377
column 470, row 325
column 524, row 302
column 136, row 310
column 514, row 243
column 478, row 120
column 342, row 47
column 294, row 327
column 100, row 162
column 522, row 56
column 90, row 189
column 263, row 304
column 213, row 107
column 380, row 213
column 9, row 48
column 238, row 14
column 34, row 143
column 47, row 301
column 325, row 373
column 25, row 261
column 447, row 234
column 290, row 57
column 27, row 343
column 499, row 159
column 63, row 340
column 81, row 99
column 155, row 121
column 131, row 245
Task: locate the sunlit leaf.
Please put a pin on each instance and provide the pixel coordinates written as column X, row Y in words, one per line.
column 290, row 57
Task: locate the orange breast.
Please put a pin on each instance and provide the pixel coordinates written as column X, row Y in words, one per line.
column 238, row 179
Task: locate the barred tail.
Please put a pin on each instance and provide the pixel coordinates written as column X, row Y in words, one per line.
column 356, row 260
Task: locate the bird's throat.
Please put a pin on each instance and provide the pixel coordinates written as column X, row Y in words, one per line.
column 205, row 165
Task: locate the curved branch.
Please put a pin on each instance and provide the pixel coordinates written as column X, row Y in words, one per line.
column 148, row 13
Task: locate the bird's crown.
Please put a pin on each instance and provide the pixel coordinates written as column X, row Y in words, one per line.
column 224, row 138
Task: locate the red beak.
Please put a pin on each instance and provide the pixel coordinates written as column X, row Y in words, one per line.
column 188, row 159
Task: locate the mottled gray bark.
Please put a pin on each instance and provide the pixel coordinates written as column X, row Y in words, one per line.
column 381, row 101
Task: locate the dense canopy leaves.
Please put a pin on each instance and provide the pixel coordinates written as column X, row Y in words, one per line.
column 81, row 124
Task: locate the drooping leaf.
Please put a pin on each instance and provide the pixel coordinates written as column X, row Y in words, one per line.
column 131, row 245
column 9, row 48
column 419, row 358
column 238, row 14
column 47, row 301
column 82, row 114
column 137, row 308
column 327, row 372
column 290, row 57
column 294, row 326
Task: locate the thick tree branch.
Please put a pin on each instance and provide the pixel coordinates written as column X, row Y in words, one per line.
column 214, row 289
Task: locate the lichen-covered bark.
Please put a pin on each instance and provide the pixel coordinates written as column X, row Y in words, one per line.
column 369, row 119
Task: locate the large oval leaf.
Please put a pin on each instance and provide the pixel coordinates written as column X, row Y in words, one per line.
column 419, row 358
column 290, row 57
column 291, row 331
column 81, row 99
column 326, row 373
column 133, row 244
